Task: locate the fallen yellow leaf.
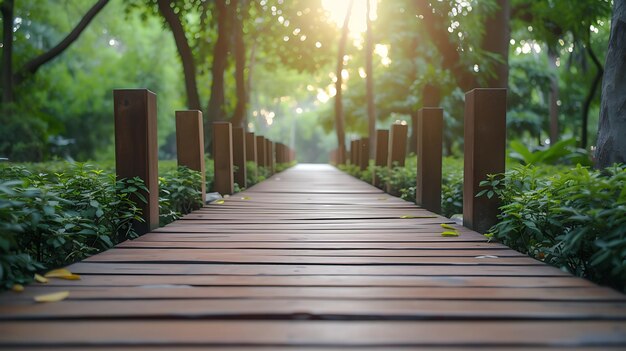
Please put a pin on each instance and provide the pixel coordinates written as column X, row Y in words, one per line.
column 218, row 202
column 54, row 297
column 407, row 216
column 17, row 288
column 447, row 226
column 245, row 198
column 56, row 273
column 450, row 233
column 40, row 279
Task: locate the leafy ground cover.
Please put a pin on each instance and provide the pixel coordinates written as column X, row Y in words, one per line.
column 56, row 213
column 566, row 215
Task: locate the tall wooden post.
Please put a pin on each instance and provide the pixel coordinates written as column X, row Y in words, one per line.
column 136, row 149
column 364, row 153
column 261, row 154
column 382, row 152
column 341, row 155
column 239, row 156
column 190, row 143
column 223, row 158
column 485, row 139
column 429, row 148
column 397, row 145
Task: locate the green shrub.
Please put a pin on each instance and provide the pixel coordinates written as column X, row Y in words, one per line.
column 179, row 193
column 574, row 219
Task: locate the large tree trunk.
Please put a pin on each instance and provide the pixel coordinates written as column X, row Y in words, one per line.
column 590, row 96
column 216, row 109
column 554, row 97
column 7, row 51
column 339, row 117
column 496, row 40
column 239, row 116
column 612, row 128
column 184, row 51
column 33, row 65
column 369, row 82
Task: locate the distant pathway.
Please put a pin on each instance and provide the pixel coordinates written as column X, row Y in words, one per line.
column 313, row 259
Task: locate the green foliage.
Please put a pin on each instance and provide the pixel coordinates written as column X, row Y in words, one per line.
column 564, row 152
column 575, row 219
column 54, row 214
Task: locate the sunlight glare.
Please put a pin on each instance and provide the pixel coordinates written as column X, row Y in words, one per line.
column 336, row 10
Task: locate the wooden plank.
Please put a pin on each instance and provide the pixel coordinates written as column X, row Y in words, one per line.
column 136, row 149
column 312, row 333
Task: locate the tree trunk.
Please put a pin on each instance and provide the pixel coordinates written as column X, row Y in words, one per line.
column 554, row 97
column 590, row 95
column 496, row 40
column 612, row 128
column 184, row 51
column 7, row 51
column 216, row 109
column 239, row 117
column 369, row 83
column 33, row 65
column 339, row 117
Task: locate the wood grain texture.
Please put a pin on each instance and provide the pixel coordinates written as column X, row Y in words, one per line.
column 313, row 259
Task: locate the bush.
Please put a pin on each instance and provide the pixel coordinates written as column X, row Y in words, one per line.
column 51, row 219
column 574, row 219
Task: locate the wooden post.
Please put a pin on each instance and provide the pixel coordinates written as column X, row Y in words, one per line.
column 429, row 147
column 341, row 155
column 190, row 143
column 223, row 158
column 260, row 151
column 382, row 152
column 136, row 149
column 397, row 145
column 269, row 149
column 485, row 139
column 364, row 153
column 239, row 156
column 251, row 154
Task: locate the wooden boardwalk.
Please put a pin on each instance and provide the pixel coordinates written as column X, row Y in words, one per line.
column 313, row 259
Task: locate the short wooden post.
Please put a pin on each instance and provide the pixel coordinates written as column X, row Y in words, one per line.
column 269, row 149
column 279, row 149
column 429, row 147
column 364, row 153
column 341, row 155
column 397, row 149
column 223, row 158
column 239, row 156
column 260, row 151
column 136, row 148
column 251, row 155
column 382, row 152
column 190, row 143
column 397, row 145
column 485, row 139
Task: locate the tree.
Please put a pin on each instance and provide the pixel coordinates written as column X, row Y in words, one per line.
column 29, row 68
column 239, row 116
column 612, row 128
column 184, row 51
column 339, row 114
column 369, row 81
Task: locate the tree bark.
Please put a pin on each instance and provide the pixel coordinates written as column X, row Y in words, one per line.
column 339, row 117
column 239, row 116
column 184, row 51
column 369, row 82
column 216, row 109
column 554, row 97
column 33, row 65
column 7, row 51
column 612, row 128
column 590, row 95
